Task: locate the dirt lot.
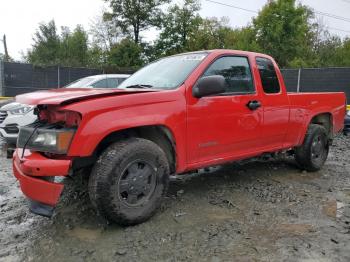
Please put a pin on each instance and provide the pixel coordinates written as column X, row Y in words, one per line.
column 252, row 211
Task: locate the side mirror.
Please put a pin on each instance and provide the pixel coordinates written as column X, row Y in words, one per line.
column 209, row 85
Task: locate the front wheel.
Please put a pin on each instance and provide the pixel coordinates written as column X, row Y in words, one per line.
column 313, row 153
column 129, row 180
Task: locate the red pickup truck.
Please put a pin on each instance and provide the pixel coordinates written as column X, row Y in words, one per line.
column 178, row 114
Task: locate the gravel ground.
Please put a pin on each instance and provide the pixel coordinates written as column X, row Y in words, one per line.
column 247, row 211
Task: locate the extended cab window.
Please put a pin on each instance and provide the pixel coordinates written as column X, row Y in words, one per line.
column 268, row 75
column 236, row 71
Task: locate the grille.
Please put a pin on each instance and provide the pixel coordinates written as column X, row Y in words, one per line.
column 3, row 115
column 11, row 129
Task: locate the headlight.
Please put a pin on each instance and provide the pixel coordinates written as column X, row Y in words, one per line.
column 348, row 112
column 21, row 110
column 45, row 140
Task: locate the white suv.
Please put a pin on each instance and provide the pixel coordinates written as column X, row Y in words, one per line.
column 12, row 116
column 99, row 81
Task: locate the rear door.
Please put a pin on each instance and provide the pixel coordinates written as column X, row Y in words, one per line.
column 222, row 126
column 276, row 104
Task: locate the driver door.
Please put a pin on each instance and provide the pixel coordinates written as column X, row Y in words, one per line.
column 222, row 126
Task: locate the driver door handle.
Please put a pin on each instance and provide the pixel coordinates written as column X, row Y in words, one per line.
column 253, row 104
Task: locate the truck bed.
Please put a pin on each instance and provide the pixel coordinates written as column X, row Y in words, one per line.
column 310, row 104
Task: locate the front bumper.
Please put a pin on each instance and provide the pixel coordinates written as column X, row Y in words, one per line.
column 31, row 171
column 10, row 139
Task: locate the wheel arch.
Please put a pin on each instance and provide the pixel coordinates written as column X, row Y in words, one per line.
column 324, row 119
column 159, row 134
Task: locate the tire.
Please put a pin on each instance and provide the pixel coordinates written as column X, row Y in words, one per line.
column 129, row 180
column 313, row 153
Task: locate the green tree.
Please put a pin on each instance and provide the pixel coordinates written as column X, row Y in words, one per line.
column 67, row 49
column 210, row 33
column 135, row 16
column 215, row 33
column 283, row 30
column 325, row 52
column 242, row 39
column 342, row 54
column 74, row 47
column 105, row 33
column 126, row 53
column 46, row 47
column 178, row 26
column 96, row 56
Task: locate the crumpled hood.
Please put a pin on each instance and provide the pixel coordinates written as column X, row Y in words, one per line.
column 69, row 95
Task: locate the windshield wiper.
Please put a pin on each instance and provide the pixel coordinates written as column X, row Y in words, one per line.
column 139, row 86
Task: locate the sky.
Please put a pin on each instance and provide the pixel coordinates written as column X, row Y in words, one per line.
column 20, row 18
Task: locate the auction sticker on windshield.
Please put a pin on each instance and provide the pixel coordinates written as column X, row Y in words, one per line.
column 196, row 57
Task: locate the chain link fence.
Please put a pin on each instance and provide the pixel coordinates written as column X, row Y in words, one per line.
column 336, row 79
column 1, row 78
column 19, row 78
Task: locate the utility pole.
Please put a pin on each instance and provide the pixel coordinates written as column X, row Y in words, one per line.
column 7, row 57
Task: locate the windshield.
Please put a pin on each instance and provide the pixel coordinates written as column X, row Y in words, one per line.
column 83, row 82
column 166, row 73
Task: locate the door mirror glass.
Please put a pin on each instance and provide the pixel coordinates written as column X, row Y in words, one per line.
column 209, row 85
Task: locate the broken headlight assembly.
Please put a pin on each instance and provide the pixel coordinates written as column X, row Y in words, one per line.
column 48, row 138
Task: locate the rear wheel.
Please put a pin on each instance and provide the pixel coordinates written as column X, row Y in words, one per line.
column 128, row 181
column 313, row 153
